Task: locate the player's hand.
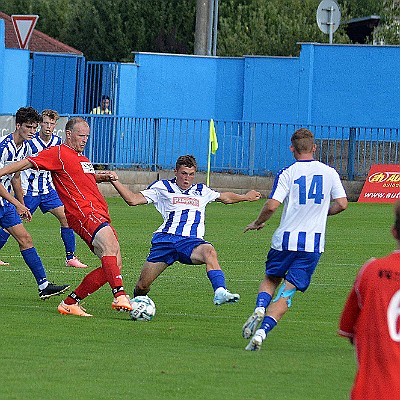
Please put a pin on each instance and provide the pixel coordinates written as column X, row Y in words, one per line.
column 253, row 195
column 107, row 176
column 112, row 175
column 254, row 227
column 24, row 213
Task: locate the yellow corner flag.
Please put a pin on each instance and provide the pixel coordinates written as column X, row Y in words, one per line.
column 213, row 138
column 212, row 148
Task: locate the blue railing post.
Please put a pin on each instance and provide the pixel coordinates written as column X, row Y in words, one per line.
column 351, row 154
column 156, row 137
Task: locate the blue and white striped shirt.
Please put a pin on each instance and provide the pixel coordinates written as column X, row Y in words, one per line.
column 306, row 189
column 9, row 153
column 36, row 182
column 183, row 211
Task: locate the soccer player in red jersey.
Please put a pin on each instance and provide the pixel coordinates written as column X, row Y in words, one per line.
column 86, row 211
column 370, row 319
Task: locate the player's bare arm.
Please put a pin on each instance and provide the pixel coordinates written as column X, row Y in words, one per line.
column 230, row 197
column 17, row 187
column 132, row 199
column 338, row 206
column 267, row 211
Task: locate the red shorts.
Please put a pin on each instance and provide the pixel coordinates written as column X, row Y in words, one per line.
column 88, row 227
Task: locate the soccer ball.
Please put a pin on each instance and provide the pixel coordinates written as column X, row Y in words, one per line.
column 143, row 308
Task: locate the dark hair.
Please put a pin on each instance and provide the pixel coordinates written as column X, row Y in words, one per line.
column 104, row 97
column 186, row 161
column 26, row 115
column 397, row 218
column 302, row 141
column 72, row 122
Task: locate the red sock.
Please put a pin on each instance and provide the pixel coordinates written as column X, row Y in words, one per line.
column 93, row 281
column 113, row 274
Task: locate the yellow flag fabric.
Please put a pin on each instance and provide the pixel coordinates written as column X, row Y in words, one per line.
column 213, row 138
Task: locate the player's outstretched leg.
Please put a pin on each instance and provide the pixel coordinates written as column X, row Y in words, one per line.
column 251, row 325
column 223, row 295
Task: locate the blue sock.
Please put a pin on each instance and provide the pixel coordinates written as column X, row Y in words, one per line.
column 4, row 235
column 268, row 324
column 34, row 262
column 217, row 278
column 68, row 237
column 263, row 299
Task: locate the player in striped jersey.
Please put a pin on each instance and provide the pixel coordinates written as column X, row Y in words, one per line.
column 306, row 188
column 180, row 238
column 14, row 148
column 39, row 190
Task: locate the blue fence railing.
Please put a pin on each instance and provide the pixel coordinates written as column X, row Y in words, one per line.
column 244, row 147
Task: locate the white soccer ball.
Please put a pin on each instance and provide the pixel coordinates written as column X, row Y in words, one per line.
column 143, row 308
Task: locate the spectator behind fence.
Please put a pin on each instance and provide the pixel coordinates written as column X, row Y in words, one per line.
column 370, row 320
column 103, row 108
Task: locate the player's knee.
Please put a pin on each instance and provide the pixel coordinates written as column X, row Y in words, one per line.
column 210, row 254
column 285, row 294
column 24, row 240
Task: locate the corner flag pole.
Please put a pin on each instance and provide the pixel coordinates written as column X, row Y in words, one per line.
column 212, row 148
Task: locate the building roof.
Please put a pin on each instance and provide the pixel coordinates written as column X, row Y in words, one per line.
column 39, row 42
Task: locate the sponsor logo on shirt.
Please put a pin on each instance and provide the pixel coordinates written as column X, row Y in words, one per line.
column 186, row 200
column 87, row 167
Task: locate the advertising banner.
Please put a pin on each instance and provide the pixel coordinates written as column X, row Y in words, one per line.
column 382, row 184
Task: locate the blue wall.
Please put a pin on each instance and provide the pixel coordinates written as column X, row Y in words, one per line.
column 328, row 84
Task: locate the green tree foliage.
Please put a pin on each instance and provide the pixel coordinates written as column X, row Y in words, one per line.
column 110, row 30
column 269, row 27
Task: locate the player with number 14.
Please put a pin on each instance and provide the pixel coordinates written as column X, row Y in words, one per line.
column 310, row 191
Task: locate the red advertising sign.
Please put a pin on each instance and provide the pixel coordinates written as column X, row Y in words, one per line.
column 382, row 184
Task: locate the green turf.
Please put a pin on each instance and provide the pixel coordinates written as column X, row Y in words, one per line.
column 192, row 349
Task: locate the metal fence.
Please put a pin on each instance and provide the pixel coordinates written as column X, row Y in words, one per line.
column 244, row 147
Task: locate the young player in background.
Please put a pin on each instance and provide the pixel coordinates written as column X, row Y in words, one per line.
column 180, row 238
column 370, row 320
column 38, row 188
column 13, row 148
column 306, row 189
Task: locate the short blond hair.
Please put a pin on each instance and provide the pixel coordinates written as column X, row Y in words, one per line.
column 51, row 114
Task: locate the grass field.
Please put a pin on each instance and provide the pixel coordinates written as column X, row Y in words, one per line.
column 192, row 349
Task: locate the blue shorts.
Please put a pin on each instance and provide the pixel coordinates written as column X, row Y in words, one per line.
column 9, row 216
column 45, row 202
column 168, row 248
column 296, row 267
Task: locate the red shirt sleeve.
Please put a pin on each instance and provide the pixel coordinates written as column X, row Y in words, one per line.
column 349, row 315
column 48, row 159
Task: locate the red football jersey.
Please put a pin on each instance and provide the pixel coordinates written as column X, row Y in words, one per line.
column 74, row 179
column 371, row 317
